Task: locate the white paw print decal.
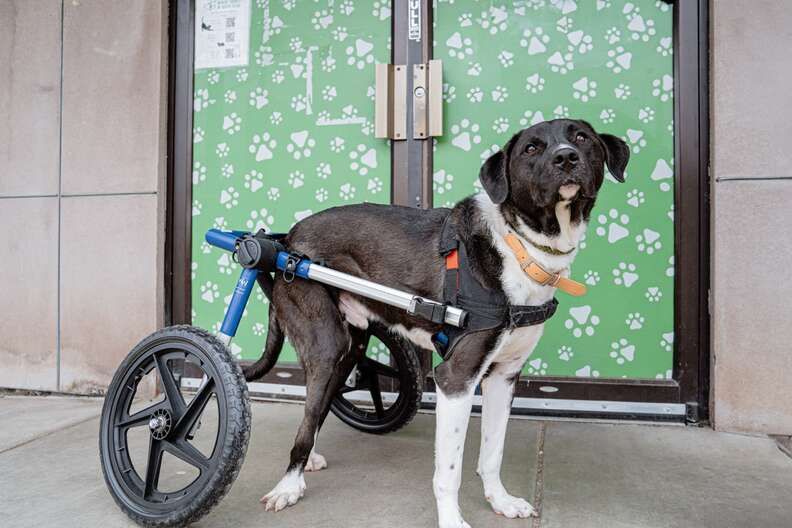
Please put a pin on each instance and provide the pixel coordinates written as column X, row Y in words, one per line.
column 323, row 170
column 321, row 195
column 360, row 54
column 296, row 179
column 263, row 56
column 499, row 94
column 653, row 294
column 661, row 173
column 494, row 20
column 587, row 372
column 641, row 29
column 209, row 292
column 663, row 88
column 329, row 93
column 346, row 192
column 565, row 353
column 465, row 135
column 229, row 96
column 198, row 173
column 337, row 144
column 261, row 219
column 665, row 47
column 613, row 35
column 506, row 58
column 667, row 343
column 636, row 139
column 449, row 92
column 262, row 146
column 615, row 223
column 201, row 99
column 213, row 77
column 670, row 269
column 276, row 118
column 646, row 114
column 622, row 91
column 242, row 75
column 591, row 277
column 537, row 367
column 459, row 47
column 232, row 123
column 222, row 150
column 582, row 321
column 321, row 19
column 624, row 274
column 299, row 103
column 259, row 98
column 374, row 185
column 619, row 60
column 197, row 207
column 475, row 95
column 580, row 42
column 300, row 145
column 635, row 198
column 362, row 159
column 224, row 264
column 535, row 40
column 561, row 62
column 534, row 83
column 648, row 241
column 229, row 197
column 475, row 69
column 227, row 171
column 561, row 112
column 500, row 125
column 622, row 351
column 531, row 118
column 254, row 181
column 584, row 89
column 273, row 193
column 198, row 135
column 381, row 9
column 259, row 329
column 634, row 321
column 608, row 115
column 442, row 181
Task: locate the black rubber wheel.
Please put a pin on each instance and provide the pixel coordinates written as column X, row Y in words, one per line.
column 400, row 374
column 204, row 433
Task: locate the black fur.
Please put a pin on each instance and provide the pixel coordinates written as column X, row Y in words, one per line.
column 398, row 247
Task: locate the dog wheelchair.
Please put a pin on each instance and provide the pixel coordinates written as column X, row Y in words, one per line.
column 205, row 432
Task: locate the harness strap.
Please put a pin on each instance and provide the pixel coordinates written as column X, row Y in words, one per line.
column 540, row 275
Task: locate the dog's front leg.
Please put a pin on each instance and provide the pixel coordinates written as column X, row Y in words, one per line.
column 498, row 390
column 453, row 415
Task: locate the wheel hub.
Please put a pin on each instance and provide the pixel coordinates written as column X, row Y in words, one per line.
column 160, row 424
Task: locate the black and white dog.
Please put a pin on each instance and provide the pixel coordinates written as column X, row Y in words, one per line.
column 540, row 187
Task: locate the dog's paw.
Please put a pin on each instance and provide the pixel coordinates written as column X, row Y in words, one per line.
column 316, row 462
column 289, row 490
column 449, row 517
column 511, row 507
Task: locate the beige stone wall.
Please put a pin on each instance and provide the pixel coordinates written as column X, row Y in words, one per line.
column 83, row 94
column 751, row 106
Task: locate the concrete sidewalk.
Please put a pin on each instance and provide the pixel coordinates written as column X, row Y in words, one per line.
column 579, row 474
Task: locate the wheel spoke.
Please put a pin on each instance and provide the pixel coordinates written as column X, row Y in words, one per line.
column 194, row 409
column 141, row 417
column 345, row 389
column 376, row 394
column 380, row 368
column 185, row 451
column 153, row 467
column 172, row 392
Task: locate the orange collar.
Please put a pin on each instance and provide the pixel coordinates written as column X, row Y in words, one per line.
column 538, row 273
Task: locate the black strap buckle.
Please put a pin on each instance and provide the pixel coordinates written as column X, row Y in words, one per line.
column 290, row 268
column 430, row 310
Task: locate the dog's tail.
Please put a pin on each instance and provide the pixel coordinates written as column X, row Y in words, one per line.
column 271, row 352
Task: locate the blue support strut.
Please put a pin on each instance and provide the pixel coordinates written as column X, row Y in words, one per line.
column 238, row 302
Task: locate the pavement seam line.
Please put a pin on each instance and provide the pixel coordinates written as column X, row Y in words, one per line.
column 48, row 433
column 539, row 482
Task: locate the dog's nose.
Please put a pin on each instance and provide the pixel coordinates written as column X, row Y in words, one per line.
column 565, row 157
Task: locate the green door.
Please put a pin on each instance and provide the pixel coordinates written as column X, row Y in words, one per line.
column 282, row 128
column 508, row 65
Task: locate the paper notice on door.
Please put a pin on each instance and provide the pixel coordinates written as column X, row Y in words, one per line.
column 222, row 33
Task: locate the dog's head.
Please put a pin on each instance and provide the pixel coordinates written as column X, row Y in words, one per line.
column 553, row 161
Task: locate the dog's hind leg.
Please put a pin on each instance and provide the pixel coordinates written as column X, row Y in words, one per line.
column 498, row 391
column 316, row 328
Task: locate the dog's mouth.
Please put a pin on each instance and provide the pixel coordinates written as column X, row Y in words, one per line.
column 568, row 191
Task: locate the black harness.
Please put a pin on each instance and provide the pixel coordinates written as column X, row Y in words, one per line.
column 486, row 309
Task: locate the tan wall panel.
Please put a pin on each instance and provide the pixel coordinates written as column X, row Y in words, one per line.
column 28, row 292
column 29, row 96
column 110, row 280
column 113, row 95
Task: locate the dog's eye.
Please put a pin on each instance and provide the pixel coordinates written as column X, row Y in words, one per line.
column 531, row 148
column 580, row 138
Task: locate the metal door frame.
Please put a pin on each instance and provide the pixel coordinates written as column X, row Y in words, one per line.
column 684, row 396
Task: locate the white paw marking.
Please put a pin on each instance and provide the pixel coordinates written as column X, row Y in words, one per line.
column 511, row 507
column 316, row 462
column 289, row 490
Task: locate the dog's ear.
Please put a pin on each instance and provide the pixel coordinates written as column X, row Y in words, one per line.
column 494, row 174
column 617, row 154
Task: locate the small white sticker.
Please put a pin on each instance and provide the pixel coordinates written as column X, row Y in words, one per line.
column 222, row 33
column 414, row 20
